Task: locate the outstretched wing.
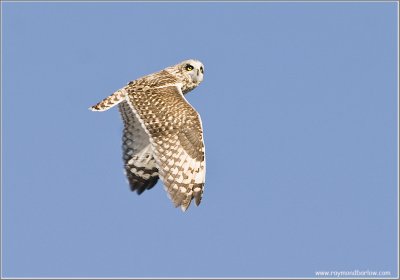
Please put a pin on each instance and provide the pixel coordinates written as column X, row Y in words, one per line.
column 110, row 101
column 176, row 137
column 140, row 166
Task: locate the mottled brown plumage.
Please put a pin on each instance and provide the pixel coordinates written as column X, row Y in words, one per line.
column 163, row 134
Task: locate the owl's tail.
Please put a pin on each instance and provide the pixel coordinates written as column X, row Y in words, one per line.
column 110, row 101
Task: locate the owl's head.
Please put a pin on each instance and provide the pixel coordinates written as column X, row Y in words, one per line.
column 189, row 73
column 193, row 69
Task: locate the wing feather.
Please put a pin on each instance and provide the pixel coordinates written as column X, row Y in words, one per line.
column 176, row 137
column 139, row 163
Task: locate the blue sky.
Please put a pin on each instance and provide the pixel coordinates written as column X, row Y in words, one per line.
column 299, row 108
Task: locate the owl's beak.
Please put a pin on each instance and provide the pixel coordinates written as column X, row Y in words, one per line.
column 196, row 76
column 198, row 79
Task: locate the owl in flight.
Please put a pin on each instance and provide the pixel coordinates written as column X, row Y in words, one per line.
column 163, row 134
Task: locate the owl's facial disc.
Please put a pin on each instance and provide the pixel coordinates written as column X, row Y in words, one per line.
column 195, row 70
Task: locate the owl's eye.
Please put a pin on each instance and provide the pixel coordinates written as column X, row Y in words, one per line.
column 201, row 70
column 189, row 67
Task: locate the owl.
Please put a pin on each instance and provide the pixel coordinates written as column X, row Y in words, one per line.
column 162, row 134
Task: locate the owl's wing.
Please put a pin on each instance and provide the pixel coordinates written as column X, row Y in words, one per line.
column 140, row 166
column 110, row 101
column 176, row 137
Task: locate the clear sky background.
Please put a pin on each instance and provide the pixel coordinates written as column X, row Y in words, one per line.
column 299, row 108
